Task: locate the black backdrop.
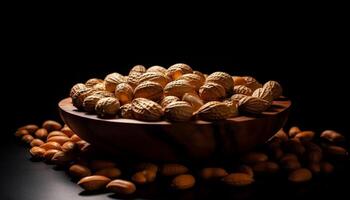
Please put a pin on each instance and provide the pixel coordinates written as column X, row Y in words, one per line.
column 314, row 79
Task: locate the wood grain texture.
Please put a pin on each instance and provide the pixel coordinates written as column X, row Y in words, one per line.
column 169, row 141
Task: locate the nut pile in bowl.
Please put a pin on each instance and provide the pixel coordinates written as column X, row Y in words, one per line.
column 175, row 94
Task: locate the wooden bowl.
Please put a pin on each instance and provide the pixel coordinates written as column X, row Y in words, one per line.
column 168, row 141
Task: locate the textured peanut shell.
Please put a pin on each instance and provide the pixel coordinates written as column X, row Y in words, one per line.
column 253, row 105
column 157, row 68
column 177, row 70
column 126, row 111
column 107, row 106
column 133, row 79
column 178, row 111
column 193, row 99
column 76, row 88
column 112, row 80
column 275, row 88
column 212, row 91
column 79, row 96
column 93, row 81
column 147, row 110
column 157, row 77
column 216, row 110
column 99, row 86
column 149, row 90
column 168, row 99
column 241, row 89
column 239, row 80
column 90, row 102
column 124, row 93
column 138, row 69
column 252, row 83
column 237, row 97
column 193, row 79
column 178, row 88
column 263, row 93
column 223, row 79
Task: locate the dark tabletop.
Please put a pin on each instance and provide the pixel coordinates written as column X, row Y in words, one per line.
column 27, row 180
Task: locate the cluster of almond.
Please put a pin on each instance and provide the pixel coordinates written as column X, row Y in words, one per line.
column 176, row 94
column 297, row 154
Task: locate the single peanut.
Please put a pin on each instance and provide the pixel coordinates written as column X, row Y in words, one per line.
column 238, row 179
column 121, row 186
column 95, row 182
column 184, row 181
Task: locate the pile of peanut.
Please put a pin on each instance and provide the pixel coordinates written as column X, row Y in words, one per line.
column 175, row 94
column 299, row 155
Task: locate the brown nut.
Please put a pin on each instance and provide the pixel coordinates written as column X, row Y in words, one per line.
column 215, row 110
column 90, row 102
column 314, row 167
column 147, row 110
column 263, row 93
column 184, row 181
column 332, row 136
column 56, row 133
column 336, row 150
column 254, row 157
column 281, row 135
column 59, row 139
column 77, row 88
column 237, row 97
column 75, row 138
column 253, row 105
column 223, row 79
column 305, row 135
column 157, row 68
column 138, row 69
column 107, row 107
column 112, row 80
column 41, row 133
column 178, row 88
column 266, row 167
column 51, row 145
column 156, row 77
column 173, row 169
column 36, row 142
column 121, row 186
column 193, row 99
column 69, row 147
column 51, row 125
column 177, row 70
column 293, row 131
column 149, row 90
column 178, row 111
column 251, row 82
column 238, row 80
column 93, row 183
column 168, row 99
column 212, row 91
column 111, row 172
column 238, row 179
column 124, row 93
column 300, row 175
column 294, row 146
column 67, row 131
column 31, row 128
column 49, row 154
column 139, row 178
column 79, row 171
column 275, row 88
column 27, row 138
column 37, row 152
column 62, row 158
column 126, row 111
column 241, row 89
column 96, row 165
column 79, row 96
column 21, row 132
column 213, row 173
column 93, row 81
column 193, row 79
